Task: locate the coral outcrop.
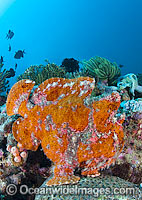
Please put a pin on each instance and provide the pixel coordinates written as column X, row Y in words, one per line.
column 9, row 173
column 40, row 73
column 129, row 81
column 100, row 188
column 130, row 159
column 3, row 78
column 73, row 128
column 139, row 76
column 70, row 65
column 102, row 68
column 17, row 165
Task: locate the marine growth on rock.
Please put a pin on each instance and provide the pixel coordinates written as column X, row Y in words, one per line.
column 102, row 68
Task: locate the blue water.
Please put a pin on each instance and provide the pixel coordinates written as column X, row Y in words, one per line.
column 58, row 29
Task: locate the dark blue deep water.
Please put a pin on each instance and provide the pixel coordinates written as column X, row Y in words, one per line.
column 58, row 29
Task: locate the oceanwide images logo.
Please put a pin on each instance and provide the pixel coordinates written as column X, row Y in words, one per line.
column 69, row 190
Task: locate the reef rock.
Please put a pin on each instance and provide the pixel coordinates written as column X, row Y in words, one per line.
column 130, row 81
column 100, row 188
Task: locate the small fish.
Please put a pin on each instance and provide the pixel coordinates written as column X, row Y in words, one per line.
column 9, row 48
column 121, row 66
column 19, row 54
column 1, row 60
column 47, row 61
column 15, row 66
column 10, row 73
column 9, row 35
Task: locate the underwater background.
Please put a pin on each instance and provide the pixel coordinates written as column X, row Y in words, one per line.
column 81, row 29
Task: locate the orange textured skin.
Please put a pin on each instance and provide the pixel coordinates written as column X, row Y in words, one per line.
column 73, row 130
column 21, row 88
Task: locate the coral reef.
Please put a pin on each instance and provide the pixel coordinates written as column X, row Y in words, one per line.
column 2, row 100
column 3, row 78
column 70, row 65
column 82, row 73
column 124, row 95
column 99, row 188
column 102, row 68
column 17, row 165
column 131, row 106
column 9, row 173
column 4, row 83
column 129, row 81
column 73, row 128
column 131, row 155
column 40, row 73
column 139, row 76
column 129, row 163
column 5, row 125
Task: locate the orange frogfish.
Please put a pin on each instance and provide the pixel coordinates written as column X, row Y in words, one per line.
column 73, row 128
